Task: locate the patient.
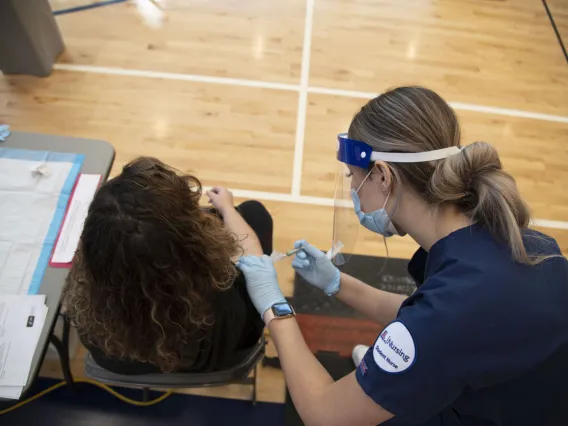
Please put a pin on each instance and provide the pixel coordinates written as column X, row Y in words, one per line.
column 153, row 287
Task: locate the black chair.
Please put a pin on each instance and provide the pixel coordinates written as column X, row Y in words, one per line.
column 238, row 374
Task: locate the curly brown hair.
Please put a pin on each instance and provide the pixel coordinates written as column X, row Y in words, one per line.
column 150, row 260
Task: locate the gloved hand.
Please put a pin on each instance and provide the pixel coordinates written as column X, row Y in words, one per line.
column 262, row 282
column 314, row 266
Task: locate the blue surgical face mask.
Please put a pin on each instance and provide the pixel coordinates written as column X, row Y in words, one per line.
column 378, row 221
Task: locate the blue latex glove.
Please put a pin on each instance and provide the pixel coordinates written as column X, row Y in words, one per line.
column 262, row 282
column 314, row 266
column 4, row 132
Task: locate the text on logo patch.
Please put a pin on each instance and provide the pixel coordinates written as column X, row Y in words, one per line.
column 394, row 351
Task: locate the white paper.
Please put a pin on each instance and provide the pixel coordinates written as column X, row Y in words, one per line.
column 75, row 219
column 21, row 322
column 28, row 203
column 11, row 392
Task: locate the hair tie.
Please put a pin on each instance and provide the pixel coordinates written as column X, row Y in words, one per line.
column 467, row 183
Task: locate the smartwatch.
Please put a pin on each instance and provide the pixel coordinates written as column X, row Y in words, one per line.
column 278, row 311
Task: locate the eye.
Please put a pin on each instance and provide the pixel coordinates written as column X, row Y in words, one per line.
column 348, row 174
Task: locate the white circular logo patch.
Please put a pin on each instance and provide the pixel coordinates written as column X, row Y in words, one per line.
column 394, row 350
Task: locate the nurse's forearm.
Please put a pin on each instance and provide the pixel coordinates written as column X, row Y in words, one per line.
column 317, row 398
column 306, row 378
column 378, row 305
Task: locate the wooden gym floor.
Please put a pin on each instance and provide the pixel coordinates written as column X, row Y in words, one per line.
column 251, row 94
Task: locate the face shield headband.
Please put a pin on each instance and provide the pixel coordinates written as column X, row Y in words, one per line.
column 359, row 154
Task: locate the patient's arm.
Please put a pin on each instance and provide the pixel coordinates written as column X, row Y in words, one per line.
column 222, row 200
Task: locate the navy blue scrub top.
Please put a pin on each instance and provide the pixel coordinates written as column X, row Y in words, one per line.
column 482, row 341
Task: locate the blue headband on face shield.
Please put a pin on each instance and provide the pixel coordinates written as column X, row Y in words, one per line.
column 359, row 154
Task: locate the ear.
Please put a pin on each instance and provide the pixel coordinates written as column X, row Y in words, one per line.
column 383, row 174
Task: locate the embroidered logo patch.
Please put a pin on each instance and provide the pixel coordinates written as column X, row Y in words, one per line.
column 394, row 350
column 363, row 367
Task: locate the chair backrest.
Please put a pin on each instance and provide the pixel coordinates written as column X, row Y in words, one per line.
column 178, row 380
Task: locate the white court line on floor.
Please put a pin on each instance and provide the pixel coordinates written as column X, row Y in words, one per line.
column 302, row 100
column 292, row 87
column 456, row 105
column 175, row 76
column 508, row 112
column 329, row 202
column 545, row 223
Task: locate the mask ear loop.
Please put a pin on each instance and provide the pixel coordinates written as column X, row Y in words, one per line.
column 384, row 265
column 361, row 184
column 390, row 220
column 395, row 175
column 384, row 206
column 388, row 196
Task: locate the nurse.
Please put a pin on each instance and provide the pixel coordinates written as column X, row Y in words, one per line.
column 484, row 339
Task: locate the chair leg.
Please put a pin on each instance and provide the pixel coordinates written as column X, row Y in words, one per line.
column 145, row 394
column 254, row 382
column 62, row 347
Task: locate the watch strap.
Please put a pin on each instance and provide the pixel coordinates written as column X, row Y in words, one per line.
column 268, row 316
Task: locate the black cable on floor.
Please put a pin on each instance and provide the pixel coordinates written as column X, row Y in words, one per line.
column 558, row 36
column 87, row 7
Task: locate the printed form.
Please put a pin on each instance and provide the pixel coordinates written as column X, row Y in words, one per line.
column 21, row 321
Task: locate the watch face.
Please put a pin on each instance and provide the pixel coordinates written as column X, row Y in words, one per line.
column 282, row 309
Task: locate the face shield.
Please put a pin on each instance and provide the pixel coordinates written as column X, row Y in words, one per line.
column 345, row 221
column 358, row 156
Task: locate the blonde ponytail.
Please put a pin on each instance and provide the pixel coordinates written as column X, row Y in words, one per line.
column 474, row 181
